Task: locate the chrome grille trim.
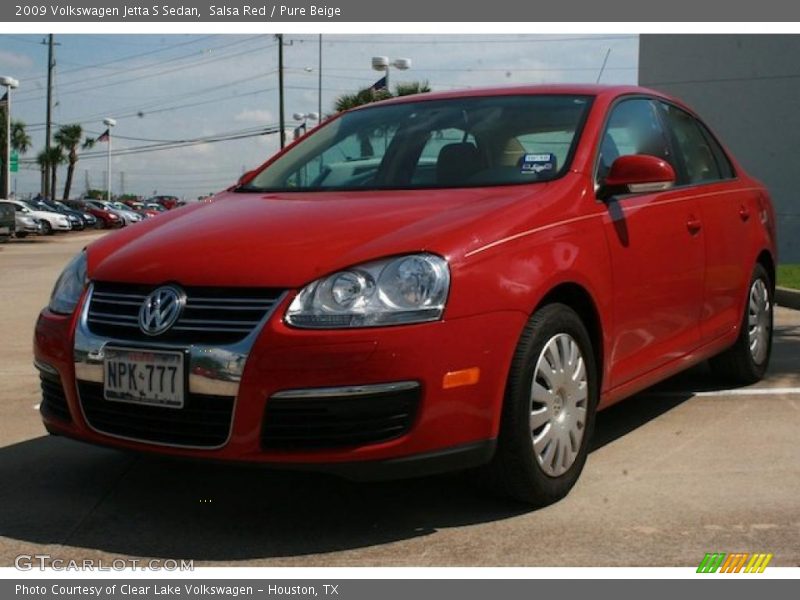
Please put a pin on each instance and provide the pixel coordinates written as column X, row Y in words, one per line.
column 113, row 311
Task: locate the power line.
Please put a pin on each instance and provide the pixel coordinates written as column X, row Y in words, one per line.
column 434, row 40
column 71, row 85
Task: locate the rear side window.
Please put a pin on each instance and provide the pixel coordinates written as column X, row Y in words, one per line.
column 701, row 157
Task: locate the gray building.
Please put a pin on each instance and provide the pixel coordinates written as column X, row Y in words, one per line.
column 747, row 88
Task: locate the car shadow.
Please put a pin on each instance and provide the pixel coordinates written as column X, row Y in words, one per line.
column 57, row 491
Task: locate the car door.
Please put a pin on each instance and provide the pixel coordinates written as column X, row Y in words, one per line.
column 729, row 211
column 656, row 249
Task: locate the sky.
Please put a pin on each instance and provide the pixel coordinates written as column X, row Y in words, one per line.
column 163, row 88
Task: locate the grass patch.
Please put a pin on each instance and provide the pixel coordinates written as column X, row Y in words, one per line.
column 789, row 276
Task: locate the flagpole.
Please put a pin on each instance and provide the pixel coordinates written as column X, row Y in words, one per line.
column 108, row 123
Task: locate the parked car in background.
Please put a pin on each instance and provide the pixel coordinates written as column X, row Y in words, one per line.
column 168, row 202
column 7, row 220
column 89, row 221
column 127, row 216
column 105, row 218
column 571, row 246
column 27, row 225
column 75, row 218
column 51, row 221
column 154, row 208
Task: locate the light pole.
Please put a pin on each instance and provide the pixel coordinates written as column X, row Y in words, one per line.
column 304, row 118
column 108, row 122
column 9, row 83
column 382, row 63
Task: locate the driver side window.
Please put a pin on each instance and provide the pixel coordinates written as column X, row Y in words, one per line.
column 632, row 128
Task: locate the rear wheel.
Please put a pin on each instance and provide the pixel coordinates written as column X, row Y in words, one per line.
column 47, row 229
column 747, row 360
column 21, row 234
column 548, row 413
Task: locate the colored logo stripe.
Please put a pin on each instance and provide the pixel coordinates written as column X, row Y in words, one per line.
column 734, row 563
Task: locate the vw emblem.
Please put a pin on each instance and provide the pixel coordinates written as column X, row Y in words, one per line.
column 160, row 310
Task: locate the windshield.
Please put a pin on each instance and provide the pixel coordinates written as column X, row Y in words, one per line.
column 460, row 142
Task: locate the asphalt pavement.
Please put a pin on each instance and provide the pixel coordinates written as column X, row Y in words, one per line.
column 685, row 468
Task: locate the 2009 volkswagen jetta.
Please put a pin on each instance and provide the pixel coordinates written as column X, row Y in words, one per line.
column 429, row 283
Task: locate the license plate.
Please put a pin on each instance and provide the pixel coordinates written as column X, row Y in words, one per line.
column 144, row 377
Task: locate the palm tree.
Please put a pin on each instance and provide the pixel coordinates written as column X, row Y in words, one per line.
column 69, row 138
column 369, row 95
column 51, row 159
column 412, row 87
column 20, row 142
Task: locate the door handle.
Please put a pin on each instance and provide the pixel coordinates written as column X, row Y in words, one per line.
column 694, row 225
column 744, row 213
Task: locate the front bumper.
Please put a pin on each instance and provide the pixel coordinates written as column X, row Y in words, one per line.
column 450, row 427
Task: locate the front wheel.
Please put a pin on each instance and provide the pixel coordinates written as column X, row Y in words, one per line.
column 747, row 360
column 549, row 407
column 47, row 229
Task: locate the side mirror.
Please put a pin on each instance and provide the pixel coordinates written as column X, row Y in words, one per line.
column 636, row 174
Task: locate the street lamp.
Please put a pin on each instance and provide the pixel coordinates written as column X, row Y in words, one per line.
column 382, row 63
column 304, row 118
column 10, row 84
column 109, row 123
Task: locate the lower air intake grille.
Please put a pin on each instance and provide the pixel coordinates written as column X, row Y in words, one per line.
column 334, row 422
column 204, row 421
column 54, row 401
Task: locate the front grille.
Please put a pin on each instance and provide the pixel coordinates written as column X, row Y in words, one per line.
column 335, row 422
column 204, row 421
column 211, row 315
column 54, row 401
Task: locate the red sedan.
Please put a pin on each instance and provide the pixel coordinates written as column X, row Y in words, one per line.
column 430, row 283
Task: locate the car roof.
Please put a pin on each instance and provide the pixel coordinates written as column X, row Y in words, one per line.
column 525, row 90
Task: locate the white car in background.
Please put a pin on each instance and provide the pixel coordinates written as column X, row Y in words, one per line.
column 51, row 221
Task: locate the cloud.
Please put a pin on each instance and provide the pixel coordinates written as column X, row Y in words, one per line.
column 15, row 60
column 254, row 115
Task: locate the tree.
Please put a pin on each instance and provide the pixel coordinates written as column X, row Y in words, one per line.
column 20, row 141
column 411, row 88
column 52, row 159
column 369, row 95
column 69, row 138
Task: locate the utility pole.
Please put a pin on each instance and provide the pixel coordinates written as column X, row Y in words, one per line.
column 48, row 120
column 122, row 183
column 280, row 90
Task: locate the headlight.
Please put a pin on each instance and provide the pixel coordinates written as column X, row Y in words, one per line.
column 69, row 286
column 405, row 289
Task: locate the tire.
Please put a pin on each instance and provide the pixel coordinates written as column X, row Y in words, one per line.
column 47, row 229
column 742, row 363
column 521, row 468
column 21, row 235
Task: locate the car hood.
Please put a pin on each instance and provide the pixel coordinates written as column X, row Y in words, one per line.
column 287, row 240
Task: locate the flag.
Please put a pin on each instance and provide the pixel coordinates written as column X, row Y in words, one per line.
column 379, row 85
column 104, row 137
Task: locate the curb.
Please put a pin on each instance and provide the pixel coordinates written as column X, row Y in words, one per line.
column 787, row 297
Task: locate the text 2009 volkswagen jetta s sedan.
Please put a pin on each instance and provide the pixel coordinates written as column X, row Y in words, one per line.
column 430, row 283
